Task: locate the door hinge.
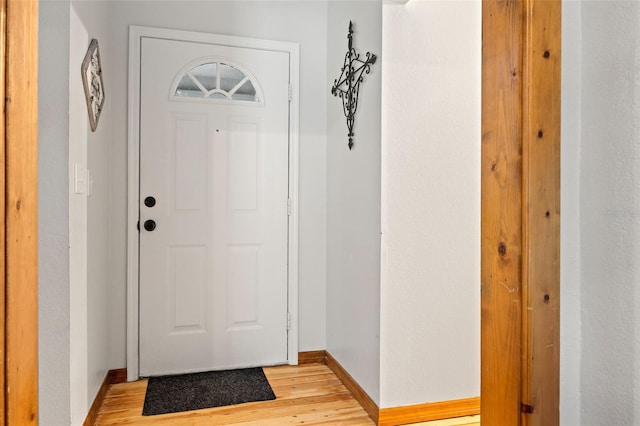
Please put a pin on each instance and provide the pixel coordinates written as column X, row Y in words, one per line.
column 288, row 206
column 526, row 409
column 288, row 321
column 290, row 93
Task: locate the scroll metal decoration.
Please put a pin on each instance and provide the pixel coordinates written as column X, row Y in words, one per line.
column 347, row 86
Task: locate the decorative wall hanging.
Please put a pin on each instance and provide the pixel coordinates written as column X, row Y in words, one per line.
column 93, row 84
column 347, row 86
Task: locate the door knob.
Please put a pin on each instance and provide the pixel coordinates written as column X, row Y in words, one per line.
column 149, row 225
column 149, row 201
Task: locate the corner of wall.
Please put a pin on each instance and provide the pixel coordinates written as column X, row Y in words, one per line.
column 88, row 213
column 353, row 202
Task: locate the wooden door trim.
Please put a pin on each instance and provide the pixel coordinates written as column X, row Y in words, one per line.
column 520, row 231
column 541, row 214
column 3, row 50
column 20, row 212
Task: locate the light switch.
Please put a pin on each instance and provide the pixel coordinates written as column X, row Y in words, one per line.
column 79, row 179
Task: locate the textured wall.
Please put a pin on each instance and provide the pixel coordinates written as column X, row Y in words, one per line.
column 610, row 213
column 430, row 321
column 53, row 216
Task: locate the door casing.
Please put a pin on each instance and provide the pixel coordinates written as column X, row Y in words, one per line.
column 19, row 212
column 136, row 33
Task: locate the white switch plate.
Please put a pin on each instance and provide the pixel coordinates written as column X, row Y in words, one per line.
column 79, row 179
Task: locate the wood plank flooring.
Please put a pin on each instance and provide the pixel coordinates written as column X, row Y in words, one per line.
column 460, row 421
column 308, row 394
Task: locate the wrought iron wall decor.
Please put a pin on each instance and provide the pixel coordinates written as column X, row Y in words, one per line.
column 347, row 86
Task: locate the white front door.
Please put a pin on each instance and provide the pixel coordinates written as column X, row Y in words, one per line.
column 214, row 148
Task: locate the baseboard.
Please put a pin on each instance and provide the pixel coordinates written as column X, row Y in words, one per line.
column 312, row 357
column 111, row 378
column 393, row 416
column 358, row 393
column 324, row 357
column 428, row 412
column 117, row 376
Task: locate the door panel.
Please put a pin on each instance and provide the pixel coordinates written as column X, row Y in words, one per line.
column 189, row 156
column 213, row 273
column 187, row 282
column 243, row 167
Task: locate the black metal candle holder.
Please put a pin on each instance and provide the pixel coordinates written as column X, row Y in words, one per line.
column 347, row 86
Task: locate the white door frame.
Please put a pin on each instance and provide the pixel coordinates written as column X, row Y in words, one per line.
column 136, row 34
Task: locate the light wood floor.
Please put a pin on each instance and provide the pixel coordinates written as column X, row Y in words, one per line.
column 460, row 421
column 308, row 394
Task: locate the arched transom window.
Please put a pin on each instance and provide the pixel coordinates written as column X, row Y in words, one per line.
column 217, row 80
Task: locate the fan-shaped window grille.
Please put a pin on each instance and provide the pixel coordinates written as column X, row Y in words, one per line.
column 217, row 80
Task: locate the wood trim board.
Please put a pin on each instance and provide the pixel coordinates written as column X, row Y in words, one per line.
column 117, row 376
column 3, row 50
column 312, row 357
column 501, row 233
column 520, row 223
column 541, row 213
column 21, row 213
column 429, row 412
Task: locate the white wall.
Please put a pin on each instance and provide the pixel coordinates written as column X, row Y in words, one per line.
column 89, row 295
column 570, row 327
column 610, row 213
column 53, row 218
column 72, row 288
column 430, row 320
column 353, row 202
column 303, row 22
column 78, row 127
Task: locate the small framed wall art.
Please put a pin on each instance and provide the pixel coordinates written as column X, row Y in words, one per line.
column 93, row 84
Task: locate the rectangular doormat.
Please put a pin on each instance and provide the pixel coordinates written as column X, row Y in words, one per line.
column 186, row 392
